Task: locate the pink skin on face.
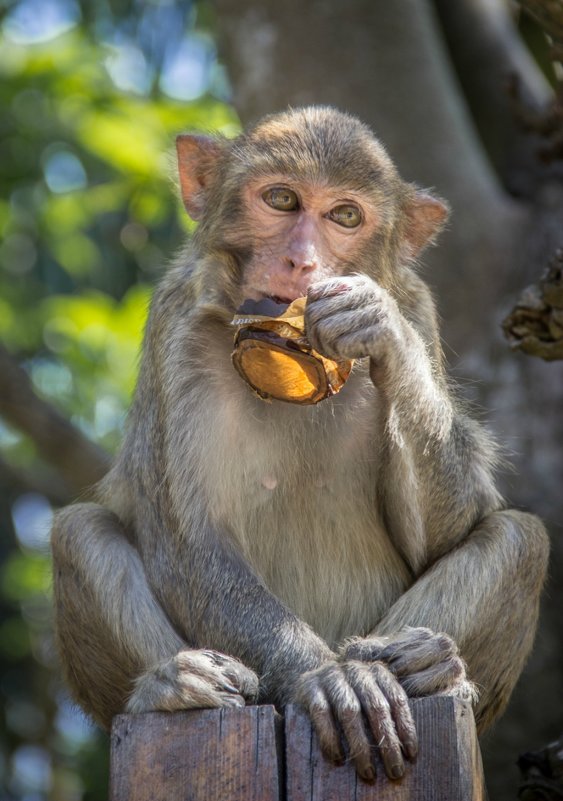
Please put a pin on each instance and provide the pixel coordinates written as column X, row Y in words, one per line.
column 298, row 248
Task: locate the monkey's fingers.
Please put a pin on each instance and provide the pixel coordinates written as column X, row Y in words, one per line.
column 377, row 710
column 345, row 334
column 346, row 693
column 418, row 650
column 331, row 287
column 348, row 291
column 363, row 649
column 398, row 701
column 311, row 695
column 409, row 651
column 328, row 696
column 204, row 692
column 347, row 709
column 438, row 678
column 343, row 316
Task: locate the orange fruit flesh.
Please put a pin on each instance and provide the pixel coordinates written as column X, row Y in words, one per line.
column 280, row 374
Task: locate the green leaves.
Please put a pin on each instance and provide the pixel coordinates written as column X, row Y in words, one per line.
column 88, row 216
column 86, row 173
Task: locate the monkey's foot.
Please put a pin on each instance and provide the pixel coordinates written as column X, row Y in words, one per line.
column 193, row 680
column 425, row 663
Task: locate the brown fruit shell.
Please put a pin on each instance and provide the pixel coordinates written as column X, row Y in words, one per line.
column 273, row 356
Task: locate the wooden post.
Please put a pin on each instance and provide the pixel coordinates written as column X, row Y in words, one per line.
column 225, row 754
column 448, row 767
column 236, row 754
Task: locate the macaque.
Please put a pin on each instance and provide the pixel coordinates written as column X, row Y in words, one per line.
column 347, row 555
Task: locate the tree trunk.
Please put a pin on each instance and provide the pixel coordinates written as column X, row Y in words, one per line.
column 385, row 63
column 388, row 64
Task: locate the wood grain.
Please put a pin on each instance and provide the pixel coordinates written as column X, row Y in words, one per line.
column 448, row 767
column 238, row 755
column 204, row 755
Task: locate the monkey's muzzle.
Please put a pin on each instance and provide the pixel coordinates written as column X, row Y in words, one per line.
column 274, row 357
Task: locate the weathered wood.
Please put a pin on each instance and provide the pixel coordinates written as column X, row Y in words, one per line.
column 448, row 767
column 236, row 754
column 204, row 755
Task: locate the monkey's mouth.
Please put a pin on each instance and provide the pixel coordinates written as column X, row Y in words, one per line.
column 268, row 305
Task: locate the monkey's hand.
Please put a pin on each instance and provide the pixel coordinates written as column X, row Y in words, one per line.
column 425, row 663
column 193, row 680
column 351, row 317
column 357, row 696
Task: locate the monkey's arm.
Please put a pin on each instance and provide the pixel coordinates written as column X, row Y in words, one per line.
column 214, row 600
column 437, row 482
column 353, row 317
column 441, row 508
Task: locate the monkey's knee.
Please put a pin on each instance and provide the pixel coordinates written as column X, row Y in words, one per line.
column 506, row 636
column 77, row 547
column 528, row 543
column 90, row 555
column 76, row 526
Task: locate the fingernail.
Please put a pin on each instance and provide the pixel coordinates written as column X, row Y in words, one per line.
column 235, row 700
column 230, row 689
column 327, row 292
column 337, row 289
column 397, row 771
column 368, row 775
column 412, row 749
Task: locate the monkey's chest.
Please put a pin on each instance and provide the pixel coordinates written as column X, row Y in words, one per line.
column 306, row 518
column 327, row 556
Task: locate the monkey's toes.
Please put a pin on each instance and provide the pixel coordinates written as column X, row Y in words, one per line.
column 243, row 678
column 222, row 671
column 193, row 680
column 444, row 678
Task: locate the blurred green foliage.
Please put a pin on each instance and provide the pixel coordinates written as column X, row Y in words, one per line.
column 88, row 219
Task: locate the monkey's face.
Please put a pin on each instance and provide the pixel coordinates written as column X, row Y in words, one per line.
column 303, row 232
column 303, row 196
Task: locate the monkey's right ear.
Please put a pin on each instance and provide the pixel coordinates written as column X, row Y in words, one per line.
column 197, row 157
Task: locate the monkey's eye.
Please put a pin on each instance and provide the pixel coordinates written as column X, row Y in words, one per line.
column 281, row 198
column 346, row 215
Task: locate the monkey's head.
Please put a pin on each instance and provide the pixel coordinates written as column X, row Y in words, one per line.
column 302, row 196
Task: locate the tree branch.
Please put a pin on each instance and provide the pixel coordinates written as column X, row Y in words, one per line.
column 535, row 325
column 45, row 482
column 549, row 16
column 80, row 462
column 400, row 82
column 549, row 124
column 489, row 55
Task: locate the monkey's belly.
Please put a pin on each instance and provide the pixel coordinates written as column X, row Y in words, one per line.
column 330, row 561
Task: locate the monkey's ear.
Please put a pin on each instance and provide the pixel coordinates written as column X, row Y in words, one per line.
column 197, row 156
column 426, row 216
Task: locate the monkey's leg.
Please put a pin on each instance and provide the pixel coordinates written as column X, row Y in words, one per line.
column 115, row 641
column 484, row 594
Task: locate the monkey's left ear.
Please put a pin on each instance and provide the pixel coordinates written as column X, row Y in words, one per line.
column 426, row 216
column 197, row 157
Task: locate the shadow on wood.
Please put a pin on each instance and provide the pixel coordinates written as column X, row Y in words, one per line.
column 236, row 754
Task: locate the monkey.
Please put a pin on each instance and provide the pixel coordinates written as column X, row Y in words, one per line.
column 346, row 556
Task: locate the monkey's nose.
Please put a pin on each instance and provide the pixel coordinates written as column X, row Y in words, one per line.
column 306, row 264
column 302, row 265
